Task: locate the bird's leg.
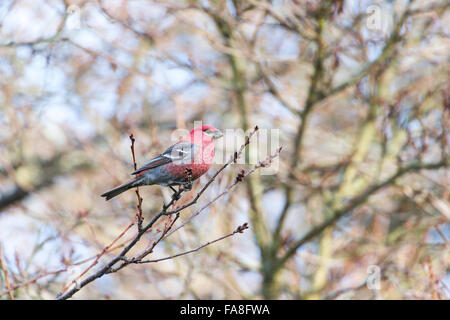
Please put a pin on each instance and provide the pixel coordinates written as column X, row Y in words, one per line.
column 187, row 186
column 176, row 194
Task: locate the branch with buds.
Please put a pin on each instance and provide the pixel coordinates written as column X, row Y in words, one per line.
column 121, row 260
column 139, row 216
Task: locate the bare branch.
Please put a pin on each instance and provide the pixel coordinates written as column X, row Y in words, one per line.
column 5, row 275
column 139, row 215
column 239, row 229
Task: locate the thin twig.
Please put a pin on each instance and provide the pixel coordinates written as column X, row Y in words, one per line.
column 98, row 257
column 5, row 274
column 239, row 229
column 61, row 270
column 139, row 215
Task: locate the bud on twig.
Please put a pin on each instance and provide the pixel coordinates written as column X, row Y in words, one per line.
column 240, row 176
column 241, row 229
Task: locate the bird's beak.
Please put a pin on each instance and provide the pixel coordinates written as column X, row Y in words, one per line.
column 217, row 134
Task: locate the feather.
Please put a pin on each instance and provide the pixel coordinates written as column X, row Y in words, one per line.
column 181, row 151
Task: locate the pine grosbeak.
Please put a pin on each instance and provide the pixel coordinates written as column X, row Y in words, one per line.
column 180, row 164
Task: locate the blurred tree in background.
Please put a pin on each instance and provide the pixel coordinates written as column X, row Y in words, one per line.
column 359, row 91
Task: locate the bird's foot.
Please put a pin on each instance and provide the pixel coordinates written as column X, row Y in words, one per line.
column 187, row 186
column 176, row 194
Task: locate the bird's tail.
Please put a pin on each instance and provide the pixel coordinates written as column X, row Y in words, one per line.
column 122, row 188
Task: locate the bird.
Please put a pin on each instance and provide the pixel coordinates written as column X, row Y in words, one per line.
column 181, row 164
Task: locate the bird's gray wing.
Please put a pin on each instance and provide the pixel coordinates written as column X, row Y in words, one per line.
column 181, row 151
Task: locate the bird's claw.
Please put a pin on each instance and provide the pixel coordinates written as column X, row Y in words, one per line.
column 176, row 194
column 187, row 186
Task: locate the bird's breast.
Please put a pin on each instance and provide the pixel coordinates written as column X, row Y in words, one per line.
column 188, row 171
